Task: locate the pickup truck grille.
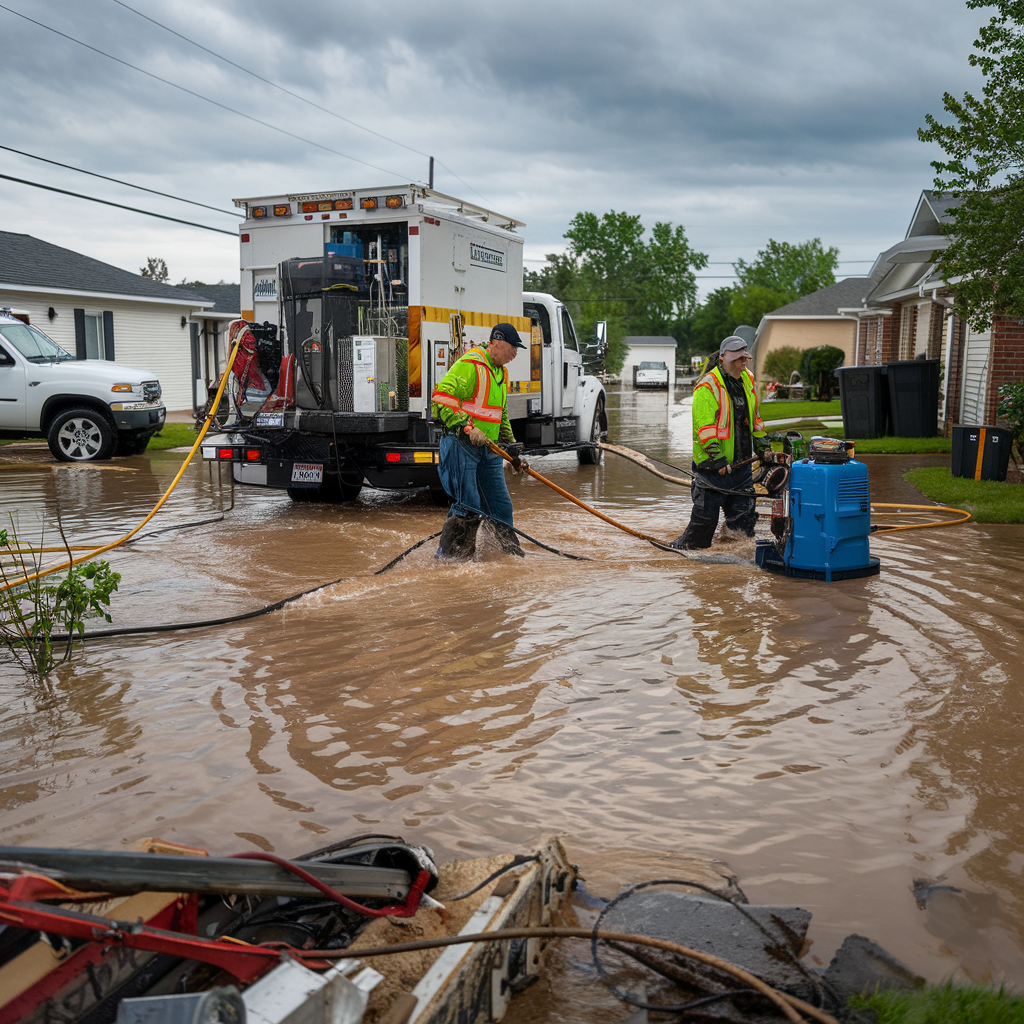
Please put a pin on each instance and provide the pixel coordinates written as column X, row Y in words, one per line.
column 151, row 390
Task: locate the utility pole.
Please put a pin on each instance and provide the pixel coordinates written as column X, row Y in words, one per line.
column 431, row 172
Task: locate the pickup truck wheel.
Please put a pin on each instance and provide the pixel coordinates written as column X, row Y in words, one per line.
column 80, row 435
column 592, row 456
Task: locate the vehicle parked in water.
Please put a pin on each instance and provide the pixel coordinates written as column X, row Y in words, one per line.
column 372, row 295
column 650, row 374
column 86, row 409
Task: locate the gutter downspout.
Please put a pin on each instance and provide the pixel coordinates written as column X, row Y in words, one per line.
column 949, row 351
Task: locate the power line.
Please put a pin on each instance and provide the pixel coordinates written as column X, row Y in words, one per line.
column 120, row 206
column 288, row 92
column 141, row 188
column 197, row 95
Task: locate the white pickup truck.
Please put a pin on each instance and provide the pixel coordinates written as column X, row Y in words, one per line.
column 86, row 409
column 650, row 375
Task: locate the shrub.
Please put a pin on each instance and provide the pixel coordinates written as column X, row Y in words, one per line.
column 1011, row 409
column 781, row 363
column 816, row 369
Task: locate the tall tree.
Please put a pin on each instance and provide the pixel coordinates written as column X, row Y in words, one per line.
column 614, row 271
column 984, row 147
column 790, row 270
column 155, row 269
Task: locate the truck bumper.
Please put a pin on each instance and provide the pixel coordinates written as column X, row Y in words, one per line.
column 139, row 419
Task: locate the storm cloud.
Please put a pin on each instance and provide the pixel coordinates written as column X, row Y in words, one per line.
column 740, row 120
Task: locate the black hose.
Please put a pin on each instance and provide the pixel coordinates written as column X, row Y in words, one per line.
column 224, row 620
column 516, row 861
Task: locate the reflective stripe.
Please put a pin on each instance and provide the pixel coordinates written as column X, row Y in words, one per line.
column 722, row 427
column 478, row 406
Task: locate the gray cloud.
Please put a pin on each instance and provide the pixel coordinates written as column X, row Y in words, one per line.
column 740, row 120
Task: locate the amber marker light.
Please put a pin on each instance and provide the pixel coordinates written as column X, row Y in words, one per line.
column 369, row 203
column 121, row 387
column 284, row 210
column 394, row 202
column 343, row 204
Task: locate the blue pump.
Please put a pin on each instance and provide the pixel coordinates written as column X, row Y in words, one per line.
column 825, row 530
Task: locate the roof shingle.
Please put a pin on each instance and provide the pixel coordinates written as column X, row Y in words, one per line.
column 33, row 263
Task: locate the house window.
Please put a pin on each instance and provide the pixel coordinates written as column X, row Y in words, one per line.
column 94, row 344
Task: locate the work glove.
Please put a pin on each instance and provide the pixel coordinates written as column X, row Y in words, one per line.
column 519, row 465
column 476, row 436
column 719, row 465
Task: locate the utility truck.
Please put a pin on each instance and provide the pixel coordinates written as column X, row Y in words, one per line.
column 356, row 303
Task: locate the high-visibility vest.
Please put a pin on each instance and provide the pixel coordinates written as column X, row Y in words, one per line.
column 475, row 387
column 720, row 427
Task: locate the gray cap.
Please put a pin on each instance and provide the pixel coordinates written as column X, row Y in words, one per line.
column 734, row 343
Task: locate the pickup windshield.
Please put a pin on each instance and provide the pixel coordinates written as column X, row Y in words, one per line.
column 652, row 366
column 35, row 346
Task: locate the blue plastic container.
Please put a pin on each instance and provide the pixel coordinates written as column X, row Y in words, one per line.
column 830, row 506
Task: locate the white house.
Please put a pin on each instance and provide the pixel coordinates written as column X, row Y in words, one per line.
column 97, row 311
column 642, row 349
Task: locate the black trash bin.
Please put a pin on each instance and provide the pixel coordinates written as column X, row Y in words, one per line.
column 981, row 453
column 864, row 395
column 914, row 397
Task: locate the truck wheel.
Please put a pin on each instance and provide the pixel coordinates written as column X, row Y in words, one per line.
column 592, row 456
column 80, row 435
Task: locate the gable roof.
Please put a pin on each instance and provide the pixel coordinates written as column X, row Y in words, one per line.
column 829, row 300
column 227, row 298
column 931, row 212
column 32, row 263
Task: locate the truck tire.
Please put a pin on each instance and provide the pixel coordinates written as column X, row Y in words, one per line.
column 592, row 456
column 80, row 435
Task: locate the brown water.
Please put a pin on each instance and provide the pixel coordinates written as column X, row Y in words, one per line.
column 832, row 743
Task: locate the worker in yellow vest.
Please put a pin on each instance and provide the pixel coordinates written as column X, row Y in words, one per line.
column 727, row 429
column 470, row 401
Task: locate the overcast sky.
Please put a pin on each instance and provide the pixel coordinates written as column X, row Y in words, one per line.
column 742, row 120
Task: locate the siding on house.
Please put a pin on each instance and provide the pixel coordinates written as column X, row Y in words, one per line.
column 147, row 335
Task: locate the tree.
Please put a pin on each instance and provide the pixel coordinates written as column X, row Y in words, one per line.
column 984, row 147
column 751, row 302
column 614, row 271
column 780, row 363
column 790, row 270
column 155, row 269
column 712, row 321
column 816, row 366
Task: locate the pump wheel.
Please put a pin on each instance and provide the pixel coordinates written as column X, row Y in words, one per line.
column 592, row 456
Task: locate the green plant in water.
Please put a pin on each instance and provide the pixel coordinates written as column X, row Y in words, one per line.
column 944, row 1004
column 31, row 613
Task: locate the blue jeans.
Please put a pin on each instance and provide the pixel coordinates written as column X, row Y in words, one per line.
column 475, row 478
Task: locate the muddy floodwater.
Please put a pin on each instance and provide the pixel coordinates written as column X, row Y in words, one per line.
column 833, row 743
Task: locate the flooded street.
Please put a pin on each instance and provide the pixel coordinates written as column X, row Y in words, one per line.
column 831, row 743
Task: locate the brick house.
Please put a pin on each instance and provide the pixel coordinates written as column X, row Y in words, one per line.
column 907, row 314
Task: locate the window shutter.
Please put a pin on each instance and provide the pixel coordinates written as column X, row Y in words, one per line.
column 80, row 334
column 108, row 334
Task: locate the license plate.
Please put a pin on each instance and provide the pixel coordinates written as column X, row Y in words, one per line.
column 307, row 473
column 269, row 419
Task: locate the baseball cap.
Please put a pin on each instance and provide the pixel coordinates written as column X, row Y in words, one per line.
column 506, row 332
column 734, row 343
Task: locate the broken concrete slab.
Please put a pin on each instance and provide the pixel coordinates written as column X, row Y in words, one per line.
column 717, row 927
column 861, row 966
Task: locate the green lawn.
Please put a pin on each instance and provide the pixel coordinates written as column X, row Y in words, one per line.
column 172, row 435
column 790, row 410
column 988, row 501
column 945, row 1004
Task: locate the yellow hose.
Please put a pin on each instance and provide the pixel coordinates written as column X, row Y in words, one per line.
column 964, row 516
column 156, row 508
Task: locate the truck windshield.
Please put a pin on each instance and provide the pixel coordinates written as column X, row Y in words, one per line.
column 652, row 366
column 35, row 346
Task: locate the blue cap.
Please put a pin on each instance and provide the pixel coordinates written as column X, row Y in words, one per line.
column 506, row 332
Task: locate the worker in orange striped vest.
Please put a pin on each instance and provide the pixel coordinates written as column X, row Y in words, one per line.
column 470, row 401
column 727, row 429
